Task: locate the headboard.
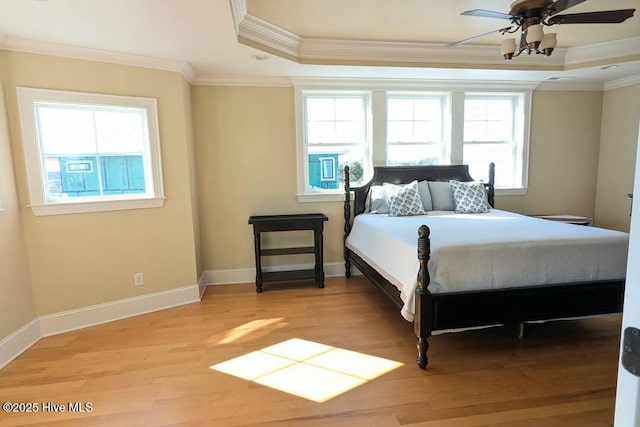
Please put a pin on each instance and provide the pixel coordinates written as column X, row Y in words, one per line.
column 406, row 174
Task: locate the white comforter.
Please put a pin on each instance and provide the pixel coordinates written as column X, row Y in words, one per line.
column 486, row 251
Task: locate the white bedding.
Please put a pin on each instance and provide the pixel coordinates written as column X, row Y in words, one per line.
column 493, row 250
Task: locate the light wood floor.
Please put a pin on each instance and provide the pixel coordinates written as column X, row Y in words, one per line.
column 155, row 369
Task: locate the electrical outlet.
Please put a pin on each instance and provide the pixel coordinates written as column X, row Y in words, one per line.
column 138, row 279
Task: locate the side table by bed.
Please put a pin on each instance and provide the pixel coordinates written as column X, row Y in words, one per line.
column 568, row 219
column 295, row 222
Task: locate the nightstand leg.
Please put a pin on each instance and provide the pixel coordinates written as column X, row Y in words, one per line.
column 319, row 258
column 257, row 246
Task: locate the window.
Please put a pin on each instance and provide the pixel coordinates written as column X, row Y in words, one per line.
column 493, row 132
column 335, row 133
column 416, row 129
column 89, row 152
column 408, row 123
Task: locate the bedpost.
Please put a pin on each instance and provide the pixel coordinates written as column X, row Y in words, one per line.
column 347, row 221
column 422, row 323
column 492, row 183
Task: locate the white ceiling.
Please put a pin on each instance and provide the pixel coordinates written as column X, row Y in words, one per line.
column 205, row 35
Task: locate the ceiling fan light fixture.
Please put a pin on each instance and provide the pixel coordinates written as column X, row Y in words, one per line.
column 535, row 34
column 508, row 48
column 529, row 16
column 548, row 43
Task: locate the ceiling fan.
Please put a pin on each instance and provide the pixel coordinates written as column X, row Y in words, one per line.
column 530, row 16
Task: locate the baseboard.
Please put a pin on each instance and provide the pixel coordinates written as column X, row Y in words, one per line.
column 65, row 321
column 19, row 341
column 248, row 275
column 202, row 285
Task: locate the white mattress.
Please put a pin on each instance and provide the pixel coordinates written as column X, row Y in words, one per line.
column 493, row 250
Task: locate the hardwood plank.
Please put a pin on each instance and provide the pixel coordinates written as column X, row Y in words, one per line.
column 155, row 369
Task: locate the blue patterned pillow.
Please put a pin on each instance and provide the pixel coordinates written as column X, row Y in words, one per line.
column 404, row 200
column 469, row 197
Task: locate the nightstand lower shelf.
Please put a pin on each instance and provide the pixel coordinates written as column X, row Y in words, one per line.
column 288, row 251
column 276, row 276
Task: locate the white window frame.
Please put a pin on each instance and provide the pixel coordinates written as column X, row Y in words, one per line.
column 454, row 120
column 304, row 194
column 520, row 143
column 445, row 102
column 34, row 159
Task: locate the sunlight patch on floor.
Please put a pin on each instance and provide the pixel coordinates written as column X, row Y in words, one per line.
column 307, row 369
column 251, row 327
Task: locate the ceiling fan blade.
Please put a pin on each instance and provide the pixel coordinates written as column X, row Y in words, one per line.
column 486, row 14
column 560, row 5
column 470, row 39
column 604, row 17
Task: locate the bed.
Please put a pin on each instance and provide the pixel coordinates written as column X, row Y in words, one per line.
column 477, row 270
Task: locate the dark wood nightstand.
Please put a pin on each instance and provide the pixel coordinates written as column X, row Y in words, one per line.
column 269, row 223
column 569, row 219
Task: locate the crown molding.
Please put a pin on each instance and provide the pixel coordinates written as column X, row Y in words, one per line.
column 238, row 12
column 74, row 52
column 261, row 32
column 627, row 81
column 256, row 81
column 188, row 72
column 570, row 86
column 600, row 52
column 403, row 53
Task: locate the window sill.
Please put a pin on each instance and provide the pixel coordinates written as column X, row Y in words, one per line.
column 511, row 191
column 320, row 197
column 339, row 197
column 98, row 206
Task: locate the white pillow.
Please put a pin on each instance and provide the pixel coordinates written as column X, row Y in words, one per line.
column 425, row 195
column 404, row 200
column 441, row 196
column 377, row 201
column 469, row 197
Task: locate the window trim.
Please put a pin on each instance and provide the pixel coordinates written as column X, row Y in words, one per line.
column 521, row 132
column 445, row 122
column 378, row 89
column 34, row 161
column 303, row 192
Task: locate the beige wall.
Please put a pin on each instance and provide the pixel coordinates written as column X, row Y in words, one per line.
column 16, row 297
column 563, row 162
column 79, row 260
column 619, row 139
column 246, row 164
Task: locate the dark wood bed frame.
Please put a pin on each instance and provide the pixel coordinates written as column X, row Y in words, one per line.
column 440, row 311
